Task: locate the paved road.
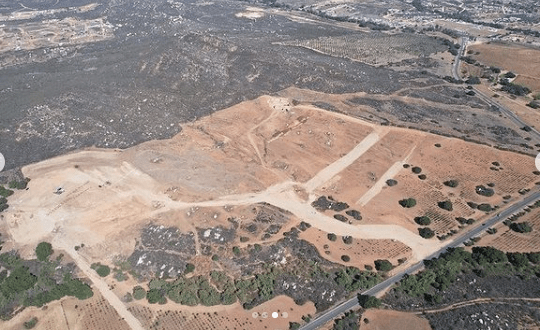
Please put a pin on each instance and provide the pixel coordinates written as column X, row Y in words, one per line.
column 512, row 116
column 353, row 302
column 457, row 59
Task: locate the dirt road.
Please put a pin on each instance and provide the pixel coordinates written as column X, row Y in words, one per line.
column 339, row 165
column 100, row 284
column 389, row 174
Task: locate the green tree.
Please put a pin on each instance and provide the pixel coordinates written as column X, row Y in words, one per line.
column 30, row 324
column 521, row 227
column 19, row 280
column 446, row 205
column 103, row 270
column 408, row 202
column 138, row 293
column 519, row 260
column 367, row 301
column 451, row 183
column 154, row 296
column 383, row 265
column 426, row 232
column 43, row 251
column 423, row 220
column 189, row 268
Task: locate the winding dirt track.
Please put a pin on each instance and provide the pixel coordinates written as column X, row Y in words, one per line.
column 40, row 214
column 478, row 301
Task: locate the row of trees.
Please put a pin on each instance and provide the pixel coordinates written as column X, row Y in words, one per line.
column 441, row 272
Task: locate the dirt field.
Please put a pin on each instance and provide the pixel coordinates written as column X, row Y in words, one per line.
column 380, row 319
column 515, row 58
column 362, row 251
column 510, row 241
column 223, row 317
column 212, row 180
column 71, row 314
column 363, row 184
column 523, row 61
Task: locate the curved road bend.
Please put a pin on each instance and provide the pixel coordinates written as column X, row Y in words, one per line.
column 508, row 113
column 353, row 302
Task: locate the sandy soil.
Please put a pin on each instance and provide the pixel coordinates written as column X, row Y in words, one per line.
column 223, row 317
column 362, row 251
column 380, row 319
column 71, row 314
column 265, row 150
column 515, row 58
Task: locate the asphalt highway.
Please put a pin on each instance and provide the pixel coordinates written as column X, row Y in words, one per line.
column 475, row 231
column 509, row 114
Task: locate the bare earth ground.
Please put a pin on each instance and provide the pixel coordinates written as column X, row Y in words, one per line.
column 510, row 241
column 518, row 106
column 362, row 251
column 223, row 317
column 266, row 150
column 71, row 314
column 380, row 319
column 515, row 58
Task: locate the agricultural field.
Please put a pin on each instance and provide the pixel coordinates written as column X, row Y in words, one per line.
column 70, row 313
column 509, row 240
column 377, row 49
column 523, row 61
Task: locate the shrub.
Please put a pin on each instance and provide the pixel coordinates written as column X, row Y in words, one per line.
column 423, row 220
column 422, row 177
column 534, row 257
column 244, row 239
column 103, row 270
column 43, row 251
column 534, row 104
column 236, row 250
column 521, row 227
column 426, row 232
column 472, row 205
column 416, row 170
column 5, row 192
column 484, row 207
column 518, row 259
column 406, row 165
column 355, row 214
column 451, row 183
column 340, row 217
column 368, row 301
column 345, row 258
column 294, row 325
column 138, row 293
column 446, row 205
column 347, row 239
column 383, row 265
column 408, row 203
column 332, row 237
column 473, row 80
column 30, row 323
column 154, row 296
column 189, row 268
column 215, row 257
column 483, row 191
column 510, row 75
column 391, row 182
column 438, row 145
